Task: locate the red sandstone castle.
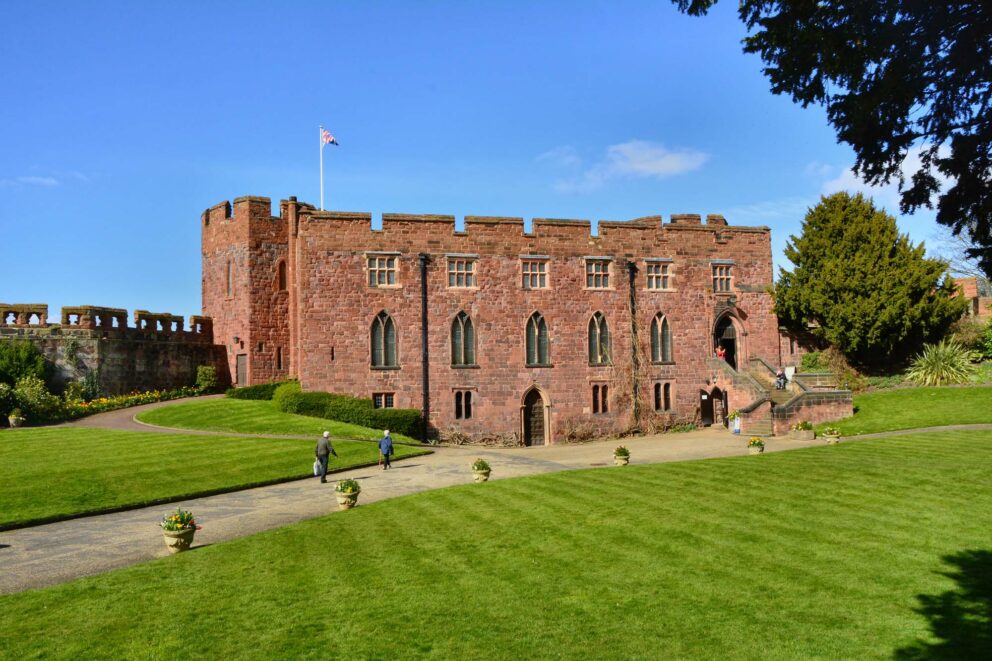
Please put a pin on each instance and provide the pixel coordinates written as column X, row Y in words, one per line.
column 498, row 332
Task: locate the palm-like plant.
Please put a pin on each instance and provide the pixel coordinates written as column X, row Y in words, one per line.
column 940, row 364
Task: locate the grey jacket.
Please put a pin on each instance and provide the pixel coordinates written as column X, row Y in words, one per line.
column 324, row 448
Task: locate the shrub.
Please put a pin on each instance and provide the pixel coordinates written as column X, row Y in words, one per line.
column 968, row 332
column 621, row 451
column 259, row 391
column 985, row 346
column 8, row 401
column 344, row 408
column 940, row 364
column 481, row 465
column 811, row 362
column 20, row 359
column 39, row 405
column 75, row 391
column 91, row 385
column 206, row 379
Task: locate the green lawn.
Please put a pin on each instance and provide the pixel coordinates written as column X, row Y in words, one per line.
column 852, row 551
column 254, row 417
column 909, row 408
column 57, row 472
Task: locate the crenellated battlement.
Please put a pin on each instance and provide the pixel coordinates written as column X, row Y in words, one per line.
column 147, row 325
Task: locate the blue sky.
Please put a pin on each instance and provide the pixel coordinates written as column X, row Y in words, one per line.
column 121, row 122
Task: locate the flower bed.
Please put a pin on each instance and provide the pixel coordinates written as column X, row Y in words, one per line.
column 79, row 409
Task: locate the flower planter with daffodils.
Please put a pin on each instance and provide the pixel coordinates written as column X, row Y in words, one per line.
column 735, row 420
column 16, row 418
column 832, row 434
column 346, row 491
column 802, row 431
column 481, row 470
column 178, row 529
column 621, row 456
column 755, row 445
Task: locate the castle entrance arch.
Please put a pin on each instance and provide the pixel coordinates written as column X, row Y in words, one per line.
column 725, row 335
column 533, row 418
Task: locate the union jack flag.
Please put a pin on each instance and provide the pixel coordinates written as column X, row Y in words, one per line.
column 326, row 137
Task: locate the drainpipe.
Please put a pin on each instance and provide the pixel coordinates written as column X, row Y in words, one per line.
column 424, row 354
column 635, row 355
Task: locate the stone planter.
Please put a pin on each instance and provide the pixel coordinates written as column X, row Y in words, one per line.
column 346, row 500
column 179, row 540
column 755, row 449
column 621, row 460
column 832, row 440
column 802, row 434
column 481, row 476
column 15, row 421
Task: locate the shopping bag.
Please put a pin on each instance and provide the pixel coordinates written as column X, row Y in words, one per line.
column 316, row 467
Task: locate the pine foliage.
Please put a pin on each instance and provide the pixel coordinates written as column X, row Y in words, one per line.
column 862, row 286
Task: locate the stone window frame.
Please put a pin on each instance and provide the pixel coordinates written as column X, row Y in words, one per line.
column 385, row 325
column 600, row 398
column 666, row 274
column 528, row 275
column 383, row 400
column 463, row 350
column 469, row 271
column 664, row 395
column 600, row 342
column 603, row 273
column 533, row 341
column 279, row 359
column 463, row 401
column 723, row 276
column 662, row 344
column 382, row 265
column 282, row 276
column 229, row 278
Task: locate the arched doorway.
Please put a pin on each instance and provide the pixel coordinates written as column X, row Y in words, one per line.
column 705, row 408
column 533, row 418
column 725, row 335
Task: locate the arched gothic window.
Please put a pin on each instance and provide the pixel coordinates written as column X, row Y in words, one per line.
column 599, row 340
column 661, row 340
column 538, row 352
column 383, row 341
column 462, row 340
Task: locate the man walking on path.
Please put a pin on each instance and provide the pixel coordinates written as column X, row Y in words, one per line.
column 385, row 448
column 324, row 448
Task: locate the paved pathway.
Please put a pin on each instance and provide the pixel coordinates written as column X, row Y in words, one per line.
column 57, row 552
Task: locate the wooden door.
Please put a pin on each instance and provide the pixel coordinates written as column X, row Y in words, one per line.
column 242, row 369
column 534, row 418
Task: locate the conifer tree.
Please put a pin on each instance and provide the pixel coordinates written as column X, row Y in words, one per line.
column 863, row 287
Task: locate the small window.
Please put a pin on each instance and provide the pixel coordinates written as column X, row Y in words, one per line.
column 721, row 278
column 535, row 273
column 461, row 272
column 600, row 399
column 230, row 278
column 538, row 352
column 659, row 275
column 278, row 358
column 661, row 340
column 382, row 271
column 383, row 341
column 597, row 274
column 463, row 404
column 281, row 276
column 382, row 400
column 662, row 397
column 792, row 344
column 599, row 340
column 462, row 340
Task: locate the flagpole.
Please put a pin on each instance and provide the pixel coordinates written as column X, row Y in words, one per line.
column 320, row 146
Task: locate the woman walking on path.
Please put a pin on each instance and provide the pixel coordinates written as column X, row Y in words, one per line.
column 385, row 448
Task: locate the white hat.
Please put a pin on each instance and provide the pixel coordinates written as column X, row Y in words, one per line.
column 326, row 434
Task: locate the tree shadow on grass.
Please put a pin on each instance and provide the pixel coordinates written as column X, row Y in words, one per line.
column 961, row 619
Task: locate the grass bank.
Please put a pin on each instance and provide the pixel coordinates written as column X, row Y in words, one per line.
column 254, row 417
column 60, row 472
column 911, row 408
column 831, row 552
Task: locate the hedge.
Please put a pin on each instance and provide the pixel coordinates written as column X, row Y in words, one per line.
column 344, row 408
column 259, row 391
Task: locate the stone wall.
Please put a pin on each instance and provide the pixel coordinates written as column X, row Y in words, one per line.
column 157, row 353
column 328, row 308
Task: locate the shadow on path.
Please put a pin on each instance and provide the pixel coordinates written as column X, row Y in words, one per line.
column 961, row 618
